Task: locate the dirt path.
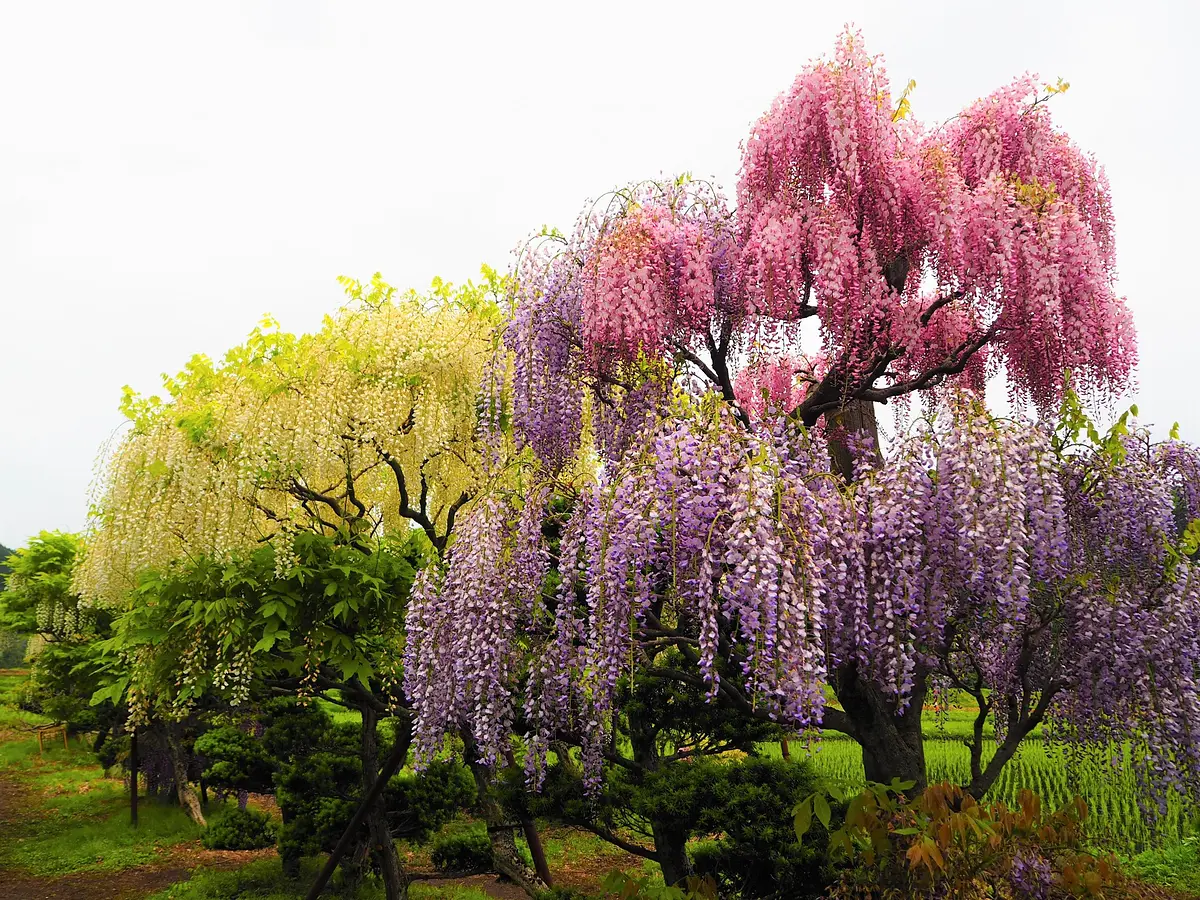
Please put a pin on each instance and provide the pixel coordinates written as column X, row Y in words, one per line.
column 123, row 885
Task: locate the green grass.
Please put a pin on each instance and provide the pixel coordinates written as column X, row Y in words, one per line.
column 263, row 879
column 564, row 847
column 340, row 714
column 58, row 845
column 1176, row 867
column 423, row 891
column 77, row 819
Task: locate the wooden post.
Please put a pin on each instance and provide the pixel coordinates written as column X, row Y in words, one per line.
column 39, row 734
column 66, row 746
column 133, row 778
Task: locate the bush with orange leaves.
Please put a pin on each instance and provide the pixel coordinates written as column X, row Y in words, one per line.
column 945, row 844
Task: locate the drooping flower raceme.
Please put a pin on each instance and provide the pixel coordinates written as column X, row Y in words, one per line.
column 974, row 547
column 923, row 254
column 698, row 515
column 913, row 244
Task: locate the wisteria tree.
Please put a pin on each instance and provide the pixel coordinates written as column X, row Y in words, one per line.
column 332, row 449
column 367, row 425
column 698, row 485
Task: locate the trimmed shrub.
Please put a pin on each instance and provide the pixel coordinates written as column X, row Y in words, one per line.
column 462, row 853
column 757, row 855
column 240, row 829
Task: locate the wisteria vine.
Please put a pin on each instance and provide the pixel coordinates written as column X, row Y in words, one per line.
column 677, row 494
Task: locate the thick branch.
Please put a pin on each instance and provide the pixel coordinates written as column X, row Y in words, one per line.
column 938, row 304
column 954, row 363
column 458, row 504
column 304, row 492
column 350, row 494
column 698, row 362
column 605, row 835
column 414, row 515
column 720, row 368
column 834, row 719
column 1012, row 740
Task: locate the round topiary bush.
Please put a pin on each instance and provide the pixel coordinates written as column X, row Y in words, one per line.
column 462, row 853
column 240, row 829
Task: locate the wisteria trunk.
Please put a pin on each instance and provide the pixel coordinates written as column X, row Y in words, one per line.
column 183, row 788
column 891, row 740
column 534, row 840
column 383, row 848
column 500, row 827
column 670, row 841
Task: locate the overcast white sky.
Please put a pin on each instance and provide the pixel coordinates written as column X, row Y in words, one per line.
column 169, row 172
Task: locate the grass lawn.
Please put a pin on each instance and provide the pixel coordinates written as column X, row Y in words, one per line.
column 73, row 819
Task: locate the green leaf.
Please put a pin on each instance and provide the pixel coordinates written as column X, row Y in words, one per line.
column 112, row 692
column 331, row 589
column 840, row 840
column 821, row 808
column 803, row 818
column 266, row 642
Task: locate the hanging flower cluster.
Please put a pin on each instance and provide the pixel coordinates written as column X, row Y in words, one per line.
column 653, row 273
column 977, row 546
column 913, row 242
column 770, row 384
column 291, row 433
column 459, row 662
column 592, row 314
column 924, row 255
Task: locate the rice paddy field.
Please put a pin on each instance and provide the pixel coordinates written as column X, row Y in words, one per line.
column 1115, row 818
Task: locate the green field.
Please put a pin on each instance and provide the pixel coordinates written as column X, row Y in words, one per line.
column 1115, row 821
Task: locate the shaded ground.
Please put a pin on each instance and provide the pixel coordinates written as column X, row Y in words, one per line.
column 488, row 884
column 123, row 885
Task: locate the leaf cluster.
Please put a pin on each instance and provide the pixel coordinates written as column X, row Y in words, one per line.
column 236, row 760
column 631, row 887
column 945, row 843
column 40, row 576
column 240, row 829
column 332, row 611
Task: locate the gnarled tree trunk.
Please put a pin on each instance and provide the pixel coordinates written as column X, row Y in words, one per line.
column 670, row 852
column 501, row 827
column 891, row 740
column 383, row 848
column 532, row 838
column 670, row 841
column 183, row 788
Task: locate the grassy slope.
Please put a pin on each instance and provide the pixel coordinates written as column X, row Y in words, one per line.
column 77, row 819
column 72, row 818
